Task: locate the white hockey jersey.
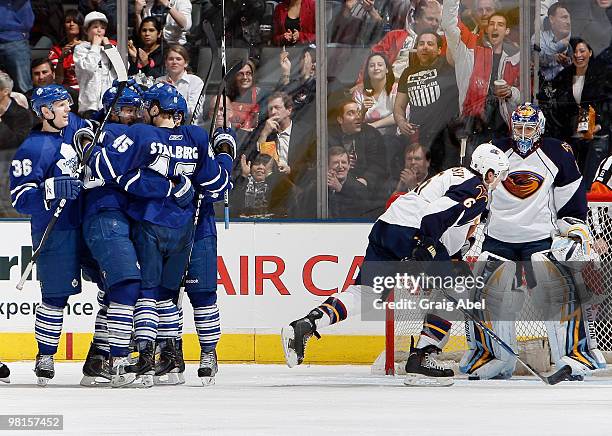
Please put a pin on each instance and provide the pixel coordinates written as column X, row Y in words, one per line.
column 443, row 207
column 540, row 188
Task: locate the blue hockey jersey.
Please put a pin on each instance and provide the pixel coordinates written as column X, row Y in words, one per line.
column 41, row 156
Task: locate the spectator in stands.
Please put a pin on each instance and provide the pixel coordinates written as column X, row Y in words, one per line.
column 427, row 90
column 245, row 96
column 261, row 190
column 294, row 23
column 177, row 65
column 591, row 21
column 62, row 54
column 365, row 146
column 359, row 22
column 290, row 143
column 486, row 107
column 176, row 14
column 146, row 55
column 93, row 69
column 15, row 126
column 347, row 195
column 301, row 89
column 48, row 28
column 555, row 51
column 582, row 93
column 16, row 20
column 398, row 44
column 43, row 75
column 415, row 169
column 377, row 95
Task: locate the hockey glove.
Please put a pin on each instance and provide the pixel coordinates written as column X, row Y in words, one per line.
column 577, row 230
column 61, row 187
column 183, row 191
column 83, row 143
column 224, row 141
column 424, row 251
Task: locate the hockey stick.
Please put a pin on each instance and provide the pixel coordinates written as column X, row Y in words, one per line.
column 119, row 67
column 552, row 379
column 210, row 36
column 223, row 72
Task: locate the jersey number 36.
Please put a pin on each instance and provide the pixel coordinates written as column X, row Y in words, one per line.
column 22, row 167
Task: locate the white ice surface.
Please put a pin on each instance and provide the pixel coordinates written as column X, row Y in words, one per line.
column 311, row 400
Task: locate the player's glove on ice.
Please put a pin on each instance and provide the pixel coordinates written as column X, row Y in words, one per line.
column 61, row 187
column 183, row 191
column 224, row 141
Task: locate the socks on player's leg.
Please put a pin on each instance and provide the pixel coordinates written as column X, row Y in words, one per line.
column 48, row 327
column 146, row 318
column 208, row 326
column 168, row 320
column 123, row 296
column 435, row 331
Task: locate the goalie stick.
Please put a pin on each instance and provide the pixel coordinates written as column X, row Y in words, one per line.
column 119, row 67
column 561, row 374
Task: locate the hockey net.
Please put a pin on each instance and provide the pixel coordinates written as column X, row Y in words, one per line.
column 401, row 326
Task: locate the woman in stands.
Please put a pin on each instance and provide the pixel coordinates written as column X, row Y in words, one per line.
column 245, row 96
column 61, row 54
column 377, row 96
column 176, row 60
column 146, row 55
column 578, row 112
column 294, row 23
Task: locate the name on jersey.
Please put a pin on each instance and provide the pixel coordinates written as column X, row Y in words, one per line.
column 175, row 151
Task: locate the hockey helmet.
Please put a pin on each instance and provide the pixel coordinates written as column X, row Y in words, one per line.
column 167, row 97
column 488, row 157
column 129, row 97
column 46, row 96
column 527, row 126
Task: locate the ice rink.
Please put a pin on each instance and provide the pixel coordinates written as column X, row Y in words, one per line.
column 311, row 400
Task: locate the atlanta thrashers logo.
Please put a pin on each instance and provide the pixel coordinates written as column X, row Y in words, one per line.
column 523, row 184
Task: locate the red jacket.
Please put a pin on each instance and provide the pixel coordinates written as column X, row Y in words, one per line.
column 307, row 22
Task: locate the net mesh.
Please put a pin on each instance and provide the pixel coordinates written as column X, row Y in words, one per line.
column 531, row 335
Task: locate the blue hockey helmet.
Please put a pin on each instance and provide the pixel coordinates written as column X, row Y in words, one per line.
column 166, row 96
column 129, row 97
column 47, row 95
column 527, row 126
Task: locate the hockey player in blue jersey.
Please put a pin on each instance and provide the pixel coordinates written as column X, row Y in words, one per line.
column 44, row 170
column 162, row 231
column 542, row 203
column 429, row 223
column 106, row 230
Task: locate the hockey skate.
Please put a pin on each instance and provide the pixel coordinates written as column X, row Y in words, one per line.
column 167, row 367
column 423, row 370
column 180, row 361
column 119, row 376
column 208, row 367
column 5, row 372
column 96, row 371
column 144, row 367
column 44, row 369
column 295, row 335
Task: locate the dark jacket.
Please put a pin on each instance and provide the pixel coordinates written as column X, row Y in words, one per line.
column 277, row 193
column 16, row 20
column 562, row 109
column 155, row 67
column 15, row 126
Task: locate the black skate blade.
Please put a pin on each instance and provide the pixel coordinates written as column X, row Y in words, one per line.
column 560, row 375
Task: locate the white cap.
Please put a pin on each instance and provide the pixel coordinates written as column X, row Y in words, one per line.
column 94, row 16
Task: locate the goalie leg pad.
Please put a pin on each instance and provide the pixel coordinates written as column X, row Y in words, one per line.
column 565, row 324
column 485, row 359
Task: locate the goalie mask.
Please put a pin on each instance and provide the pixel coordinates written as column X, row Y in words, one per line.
column 527, row 127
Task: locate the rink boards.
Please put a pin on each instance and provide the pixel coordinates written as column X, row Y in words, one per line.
column 269, row 274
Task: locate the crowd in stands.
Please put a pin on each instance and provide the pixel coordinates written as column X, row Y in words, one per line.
column 408, row 81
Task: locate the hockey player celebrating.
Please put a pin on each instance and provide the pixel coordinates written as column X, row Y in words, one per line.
column 429, row 223
column 162, row 229
column 44, row 171
column 542, row 195
column 105, row 204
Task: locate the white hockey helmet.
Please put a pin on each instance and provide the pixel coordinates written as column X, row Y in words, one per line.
column 488, row 157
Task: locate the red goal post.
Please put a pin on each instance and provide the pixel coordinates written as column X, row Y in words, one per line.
column 532, row 338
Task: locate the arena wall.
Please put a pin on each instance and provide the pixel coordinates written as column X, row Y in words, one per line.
column 269, row 274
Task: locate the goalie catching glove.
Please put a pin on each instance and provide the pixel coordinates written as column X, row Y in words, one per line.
column 578, row 231
column 224, row 141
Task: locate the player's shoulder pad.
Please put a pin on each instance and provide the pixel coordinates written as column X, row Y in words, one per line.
column 557, row 150
column 468, row 190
